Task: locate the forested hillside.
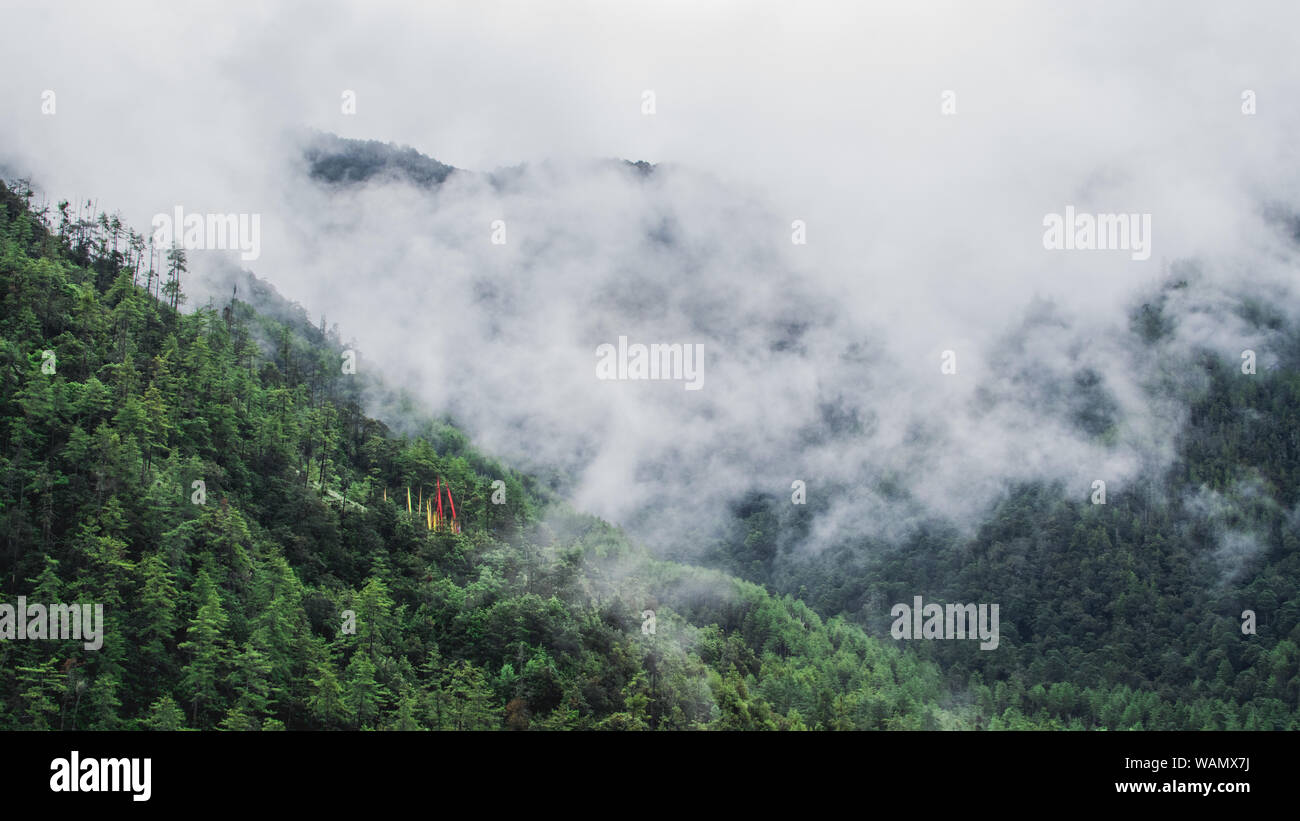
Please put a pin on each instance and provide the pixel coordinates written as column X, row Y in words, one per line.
column 1127, row 614
column 298, row 591
column 230, row 608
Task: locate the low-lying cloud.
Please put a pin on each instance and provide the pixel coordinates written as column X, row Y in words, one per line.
column 824, row 361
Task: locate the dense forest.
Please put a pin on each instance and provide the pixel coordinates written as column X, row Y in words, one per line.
column 1127, row 614
column 300, row 589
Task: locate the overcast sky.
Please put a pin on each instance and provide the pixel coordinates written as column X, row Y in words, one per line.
column 924, row 229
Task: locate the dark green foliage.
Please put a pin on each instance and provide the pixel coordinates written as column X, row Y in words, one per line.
column 340, row 161
column 1124, row 615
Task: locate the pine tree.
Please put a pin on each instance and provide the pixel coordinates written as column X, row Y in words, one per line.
column 206, row 645
column 361, row 694
column 165, row 714
column 326, row 704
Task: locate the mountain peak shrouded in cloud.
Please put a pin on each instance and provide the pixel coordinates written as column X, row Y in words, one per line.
column 335, row 160
column 642, row 167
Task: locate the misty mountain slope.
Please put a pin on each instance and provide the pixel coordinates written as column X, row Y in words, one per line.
column 209, row 478
column 976, row 488
column 817, row 366
column 1146, row 591
column 350, row 162
column 297, row 518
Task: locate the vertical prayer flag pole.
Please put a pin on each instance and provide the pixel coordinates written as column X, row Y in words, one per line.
column 452, row 502
column 408, row 501
column 439, row 503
